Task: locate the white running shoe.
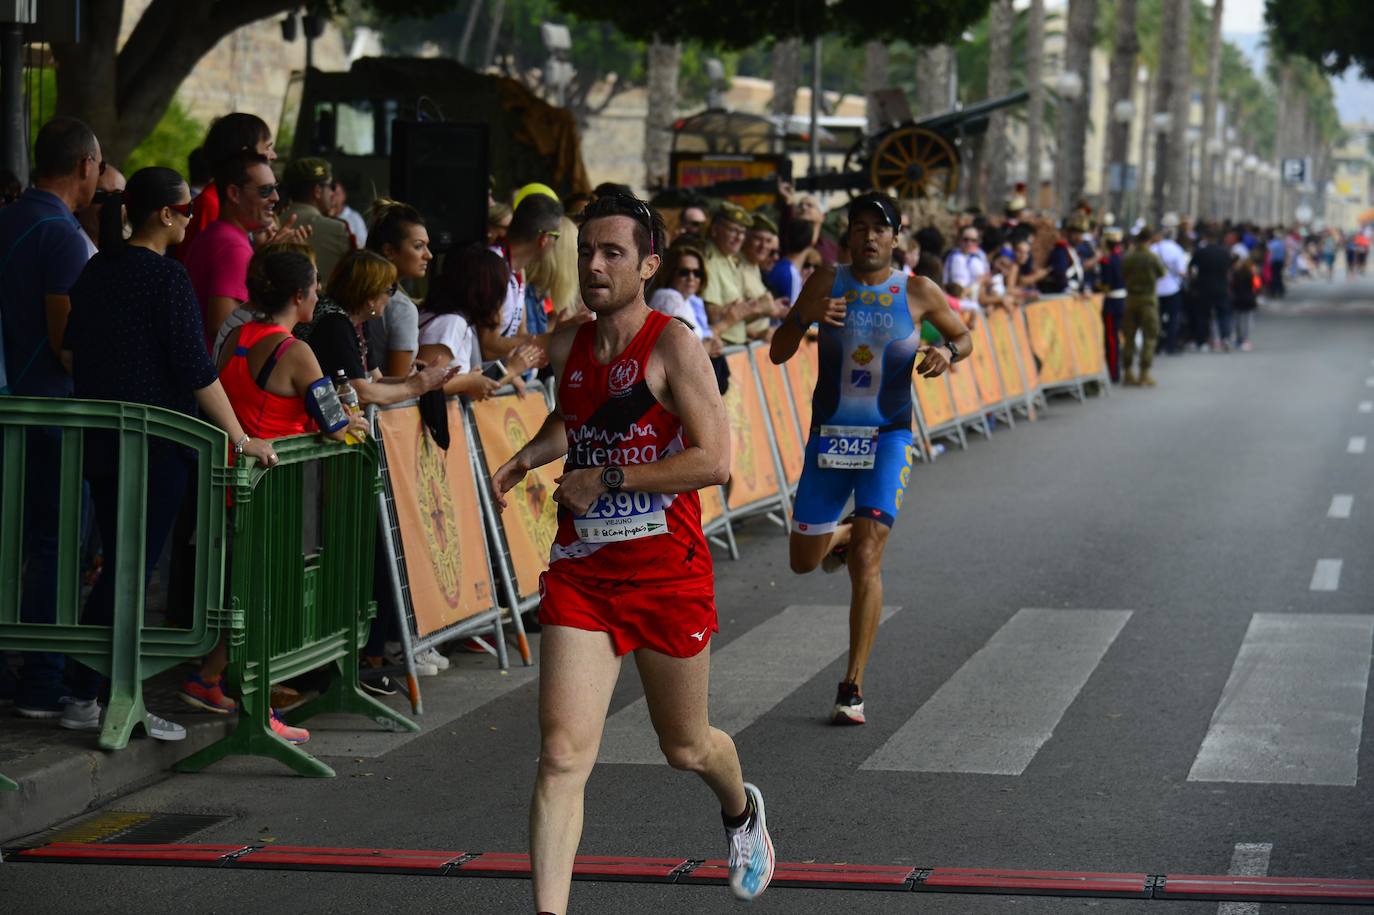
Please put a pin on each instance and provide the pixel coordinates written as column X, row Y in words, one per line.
column 81, row 715
column 751, row 852
column 395, row 655
column 432, row 656
column 162, row 729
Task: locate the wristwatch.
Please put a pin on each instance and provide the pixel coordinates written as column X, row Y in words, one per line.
column 953, row 351
column 241, row 444
column 612, row 478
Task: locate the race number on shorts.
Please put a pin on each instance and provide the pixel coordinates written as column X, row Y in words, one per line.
column 619, row 516
column 848, row 447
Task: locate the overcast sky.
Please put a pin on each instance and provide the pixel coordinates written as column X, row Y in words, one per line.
column 1243, row 16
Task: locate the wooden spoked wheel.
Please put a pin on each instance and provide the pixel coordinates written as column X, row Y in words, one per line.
column 914, row 162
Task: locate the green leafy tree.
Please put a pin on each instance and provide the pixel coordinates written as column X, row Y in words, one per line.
column 1333, row 34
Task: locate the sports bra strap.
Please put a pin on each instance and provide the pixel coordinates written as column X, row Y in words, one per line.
column 266, row 372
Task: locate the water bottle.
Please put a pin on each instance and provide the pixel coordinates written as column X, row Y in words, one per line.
column 348, row 396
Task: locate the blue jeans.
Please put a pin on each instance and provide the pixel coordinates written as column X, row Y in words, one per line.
column 168, row 472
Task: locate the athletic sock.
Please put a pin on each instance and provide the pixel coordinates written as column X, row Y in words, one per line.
column 733, row 823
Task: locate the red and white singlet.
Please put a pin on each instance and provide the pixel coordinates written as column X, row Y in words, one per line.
column 636, row 565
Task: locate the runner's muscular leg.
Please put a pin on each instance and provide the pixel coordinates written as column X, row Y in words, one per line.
column 676, row 691
column 578, row 670
column 866, row 602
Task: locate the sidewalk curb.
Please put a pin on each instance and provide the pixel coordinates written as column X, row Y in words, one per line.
column 57, row 783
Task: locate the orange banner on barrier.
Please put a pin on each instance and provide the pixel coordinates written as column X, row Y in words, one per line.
column 1085, row 322
column 440, row 521
column 505, row 425
column 712, row 505
column 752, row 477
column 1049, row 338
column 984, row 362
column 1023, row 349
column 1004, row 348
column 802, row 370
column 964, row 392
column 780, row 410
column 937, row 404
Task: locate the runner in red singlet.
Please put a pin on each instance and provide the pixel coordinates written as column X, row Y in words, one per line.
column 642, row 425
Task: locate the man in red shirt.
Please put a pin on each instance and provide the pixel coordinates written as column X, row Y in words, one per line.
column 643, row 427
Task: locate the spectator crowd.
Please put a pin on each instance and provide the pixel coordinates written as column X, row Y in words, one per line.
column 266, row 305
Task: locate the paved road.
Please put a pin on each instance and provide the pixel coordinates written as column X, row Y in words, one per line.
column 1129, row 637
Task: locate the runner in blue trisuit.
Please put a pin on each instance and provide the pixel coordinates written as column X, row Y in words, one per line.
column 860, row 442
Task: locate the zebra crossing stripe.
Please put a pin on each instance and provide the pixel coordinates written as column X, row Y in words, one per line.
column 1341, row 506
column 1250, row 859
column 749, row 676
column 1293, row 707
column 997, row 710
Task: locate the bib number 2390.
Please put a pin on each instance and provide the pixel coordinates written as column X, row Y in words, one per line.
column 848, row 447
column 618, row 516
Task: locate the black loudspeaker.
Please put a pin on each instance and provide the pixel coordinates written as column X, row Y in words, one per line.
column 441, row 169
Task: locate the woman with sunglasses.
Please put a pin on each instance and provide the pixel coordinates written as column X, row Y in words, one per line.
column 135, row 335
column 678, row 283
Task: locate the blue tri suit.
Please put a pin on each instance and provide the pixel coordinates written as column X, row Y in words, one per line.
column 864, row 380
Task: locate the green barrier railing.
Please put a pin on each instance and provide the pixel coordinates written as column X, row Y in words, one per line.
column 301, row 559
column 129, row 651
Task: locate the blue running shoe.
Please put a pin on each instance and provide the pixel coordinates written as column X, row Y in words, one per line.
column 751, row 852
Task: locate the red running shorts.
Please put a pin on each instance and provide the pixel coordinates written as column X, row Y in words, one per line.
column 677, row 621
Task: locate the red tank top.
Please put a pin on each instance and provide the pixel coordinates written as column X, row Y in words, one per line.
column 613, row 419
column 262, row 413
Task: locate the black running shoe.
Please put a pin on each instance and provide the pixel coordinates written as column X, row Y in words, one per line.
column 849, row 704
column 375, row 681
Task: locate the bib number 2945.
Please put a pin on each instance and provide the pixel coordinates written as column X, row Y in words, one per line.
column 623, row 515
column 848, row 447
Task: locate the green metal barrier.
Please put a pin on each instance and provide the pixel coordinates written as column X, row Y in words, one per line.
column 301, row 560
column 7, row 785
column 129, row 651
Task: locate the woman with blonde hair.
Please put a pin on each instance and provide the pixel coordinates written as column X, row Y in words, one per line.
column 359, row 290
column 554, row 277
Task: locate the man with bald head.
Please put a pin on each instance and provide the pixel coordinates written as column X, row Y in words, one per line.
column 110, row 185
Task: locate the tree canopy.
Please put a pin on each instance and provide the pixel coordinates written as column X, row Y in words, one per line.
column 731, row 24
column 1334, row 34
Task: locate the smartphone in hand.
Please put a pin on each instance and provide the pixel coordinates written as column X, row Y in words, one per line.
column 496, row 371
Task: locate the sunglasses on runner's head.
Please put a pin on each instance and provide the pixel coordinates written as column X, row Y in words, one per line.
column 685, row 272
column 641, row 214
column 183, row 209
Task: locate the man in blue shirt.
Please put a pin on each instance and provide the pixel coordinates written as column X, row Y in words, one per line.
column 1278, row 254
column 42, row 252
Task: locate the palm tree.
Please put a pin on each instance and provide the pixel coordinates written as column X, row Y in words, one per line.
column 1001, row 18
column 1035, row 109
column 1120, row 88
column 1171, row 99
column 664, row 63
column 1180, row 106
column 875, row 79
column 1073, row 109
column 932, row 79
column 1206, row 194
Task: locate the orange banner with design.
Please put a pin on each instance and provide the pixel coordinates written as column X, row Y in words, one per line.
column 712, row 505
column 505, row 425
column 1023, row 348
column 752, row 477
column 780, row 411
column 984, row 362
column 1090, row 355
column 802, row 370
column 1004, row 348
column 964, row 391
column 439, row 517
column 1047, row 322
column 937, row 404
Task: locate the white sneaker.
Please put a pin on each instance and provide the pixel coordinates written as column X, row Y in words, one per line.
column 162, row 729
column 751, row 852
column 432, row 656
column 394, row 654
column 81, row 715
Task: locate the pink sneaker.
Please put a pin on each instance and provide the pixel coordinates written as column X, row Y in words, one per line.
column 287, row 732
column 207, row 695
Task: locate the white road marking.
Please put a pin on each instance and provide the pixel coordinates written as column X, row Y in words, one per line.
column 1292, row 709
column 997, row 710
column 748, row 677
column 1340, row 506
column 1356, row 445
column 1327, row 575
column 1366, row 406
column 1250, row 859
